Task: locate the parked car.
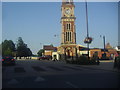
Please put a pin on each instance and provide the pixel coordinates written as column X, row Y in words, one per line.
column 8, row 60
column 44, row 58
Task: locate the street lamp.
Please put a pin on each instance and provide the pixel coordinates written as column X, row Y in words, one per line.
column 41, row 45
column 88, row 39
column 56, row 36
column 103, row 44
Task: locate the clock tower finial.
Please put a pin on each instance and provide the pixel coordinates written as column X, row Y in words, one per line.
column 67, row 1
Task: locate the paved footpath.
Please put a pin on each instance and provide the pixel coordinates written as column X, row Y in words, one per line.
column 107, row 65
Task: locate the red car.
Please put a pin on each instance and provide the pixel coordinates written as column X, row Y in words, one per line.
column 44, row 58
column 8, row 60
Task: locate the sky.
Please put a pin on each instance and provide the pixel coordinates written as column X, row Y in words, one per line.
column 38, row 22
column 0, row 22
column 119, row 25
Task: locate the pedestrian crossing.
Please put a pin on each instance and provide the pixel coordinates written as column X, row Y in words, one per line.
column 55, row 68
column 72, row 68
column 37, row 68
column 18, row 82
column 21, row 69
column 21, row 62
column 26, row 61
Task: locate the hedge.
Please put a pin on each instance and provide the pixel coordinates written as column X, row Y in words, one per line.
column 83, row 60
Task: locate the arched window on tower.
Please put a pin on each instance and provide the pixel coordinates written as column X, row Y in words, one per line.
column 70, row 36
column 66, row 36
column 68, row 26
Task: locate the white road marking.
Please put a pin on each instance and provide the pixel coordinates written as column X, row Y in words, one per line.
column 13, row 81
column 74, row 86
column 39, row 79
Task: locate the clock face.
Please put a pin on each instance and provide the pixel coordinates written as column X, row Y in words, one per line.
column 67, row 11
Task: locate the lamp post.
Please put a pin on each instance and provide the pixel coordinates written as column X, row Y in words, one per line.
column 88, row 39
column 56, row 36
column 103, row 44
column 41, row 44
column 87, row 27
column 103, row 41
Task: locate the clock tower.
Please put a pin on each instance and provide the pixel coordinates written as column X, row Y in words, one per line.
column 68, row 32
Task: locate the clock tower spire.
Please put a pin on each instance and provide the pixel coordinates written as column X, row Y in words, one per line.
column 67, row 1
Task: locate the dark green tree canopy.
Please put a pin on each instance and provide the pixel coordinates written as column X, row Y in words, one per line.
column 22, row 49
column 8, row 48
column 40, row 52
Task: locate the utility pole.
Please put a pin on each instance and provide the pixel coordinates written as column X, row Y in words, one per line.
column 104, row 43
column 104, row 55
column 87, row 27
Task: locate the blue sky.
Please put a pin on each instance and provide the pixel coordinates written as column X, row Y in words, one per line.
column 38, row 22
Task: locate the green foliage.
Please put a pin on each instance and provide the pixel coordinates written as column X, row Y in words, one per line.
column 8, row 52
column 29, row 52
column 34, row 55
column 117, row 62
column 118, row 58
column 22, row 49
column 8, row 48
column 51, row 44
column 40, row 52
column 82, row 60
column 0, row 49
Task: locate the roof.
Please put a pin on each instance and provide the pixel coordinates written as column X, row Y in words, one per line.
column 80, row 45
column 49, row 47
column 83, row 49
column 108, row 46
column 106, row 50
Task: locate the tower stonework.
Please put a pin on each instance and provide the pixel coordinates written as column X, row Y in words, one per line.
column 68, row 30
column 68, row 22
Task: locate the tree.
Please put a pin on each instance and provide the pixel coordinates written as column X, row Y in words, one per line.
column 1, row 49
column 21, row 46
column 29, row 52
column 40, row 52
column 8, row 48
column 22, row 49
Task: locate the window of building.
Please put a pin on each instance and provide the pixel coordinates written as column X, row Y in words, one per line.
column 70, row 36
column 68, row 26
column 66, row 36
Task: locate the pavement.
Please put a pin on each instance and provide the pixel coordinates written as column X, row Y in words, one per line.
column 107, row 65
column 104, row 65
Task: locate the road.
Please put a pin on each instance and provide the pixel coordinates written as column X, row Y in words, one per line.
column 58, row 74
